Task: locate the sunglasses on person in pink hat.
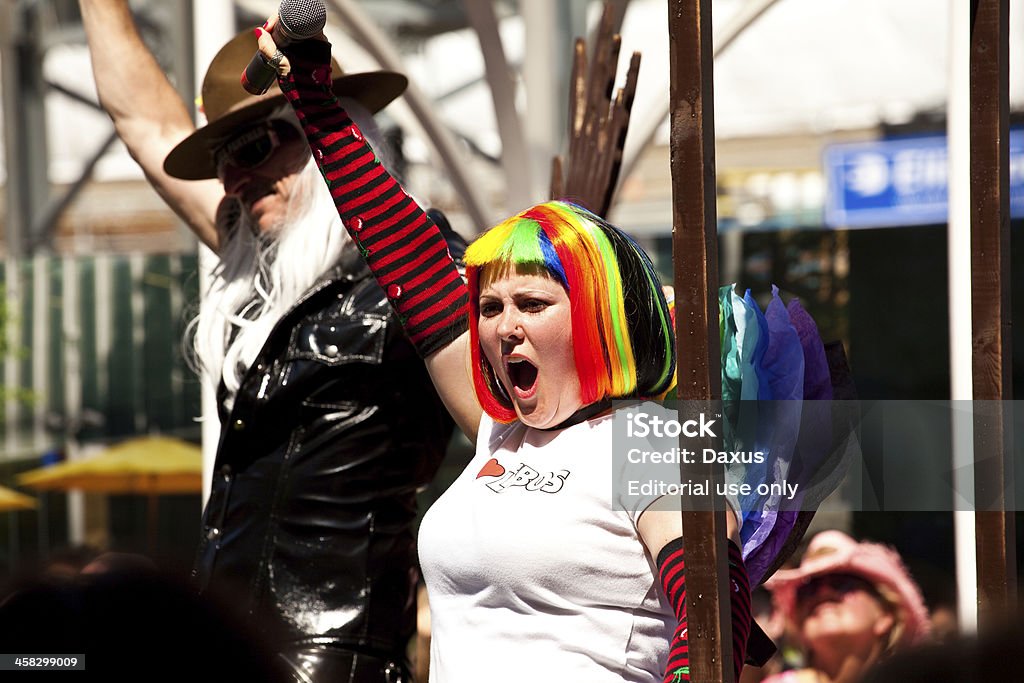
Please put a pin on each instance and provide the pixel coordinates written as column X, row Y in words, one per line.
column 836, row 563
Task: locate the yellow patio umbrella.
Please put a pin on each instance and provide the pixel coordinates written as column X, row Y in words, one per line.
column 12, row 500
column 146, row 466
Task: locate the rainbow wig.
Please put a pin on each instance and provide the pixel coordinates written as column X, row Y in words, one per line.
column 621, row 328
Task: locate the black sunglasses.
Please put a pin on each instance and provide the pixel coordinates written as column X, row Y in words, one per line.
column 839, row 584
column 252, row 148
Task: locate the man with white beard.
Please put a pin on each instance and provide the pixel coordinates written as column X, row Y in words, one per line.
column 329, row 421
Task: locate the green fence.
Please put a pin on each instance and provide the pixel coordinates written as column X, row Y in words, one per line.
column 93, row 354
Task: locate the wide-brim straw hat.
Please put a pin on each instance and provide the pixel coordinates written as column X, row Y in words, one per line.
column 833, row 552
column 228, row 106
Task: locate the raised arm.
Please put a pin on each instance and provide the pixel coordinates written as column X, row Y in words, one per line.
column 148, row 113
column 403, row 248
column 449, row 370
column 661, row 532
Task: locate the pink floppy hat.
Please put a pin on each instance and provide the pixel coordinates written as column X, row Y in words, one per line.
column 833, row 552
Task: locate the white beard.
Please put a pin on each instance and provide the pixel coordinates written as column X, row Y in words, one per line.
column 259, row 278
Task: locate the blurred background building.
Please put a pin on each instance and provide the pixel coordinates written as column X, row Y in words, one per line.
column 830, row 123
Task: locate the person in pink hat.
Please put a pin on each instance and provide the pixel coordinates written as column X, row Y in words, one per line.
column 849, row 604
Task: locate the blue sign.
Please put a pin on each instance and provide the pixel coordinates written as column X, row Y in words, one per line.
column 900, row 182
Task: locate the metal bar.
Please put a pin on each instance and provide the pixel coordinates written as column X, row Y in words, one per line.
column 71, row 356
column 44, row 230
column 24, row 121
column 13, row 293
column 137, row 301
column 648, row 122
column 184, row 55
column 990, row 309
column 186, row 78
column 545, row 74
column 39, row 344
column 958, row 238
column 74, row 95
column 41, row 219
column 354, row 18
column 695, row 259
column 210, row 29
column 177, row 303
column 503, row 91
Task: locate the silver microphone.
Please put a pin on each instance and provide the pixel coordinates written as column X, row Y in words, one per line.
column 297, row 20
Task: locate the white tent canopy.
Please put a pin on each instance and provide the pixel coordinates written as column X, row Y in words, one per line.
column 804, row 67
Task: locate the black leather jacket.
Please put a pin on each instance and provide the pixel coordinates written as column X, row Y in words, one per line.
column 309, row 525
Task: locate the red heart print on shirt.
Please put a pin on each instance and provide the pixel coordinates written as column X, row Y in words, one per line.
column 491, row 468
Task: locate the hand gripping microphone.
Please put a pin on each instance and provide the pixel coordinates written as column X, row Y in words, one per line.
column 297, row 20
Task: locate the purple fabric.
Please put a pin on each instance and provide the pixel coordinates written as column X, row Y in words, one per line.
column 778, row 424
column 763, row 557
column 784, row 358
column 756, row 358
column 817, row 381
column 791, row 422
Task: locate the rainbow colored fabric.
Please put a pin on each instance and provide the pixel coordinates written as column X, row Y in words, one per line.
column 776, row 385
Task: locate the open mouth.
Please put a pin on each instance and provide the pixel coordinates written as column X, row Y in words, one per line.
column 523, row 375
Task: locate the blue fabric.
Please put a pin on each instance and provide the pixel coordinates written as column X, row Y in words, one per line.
column 731, row 364
column 783, row 359
column 760, row 347
column 773, row 361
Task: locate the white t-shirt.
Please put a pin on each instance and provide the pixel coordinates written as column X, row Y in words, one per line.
column 532, row 575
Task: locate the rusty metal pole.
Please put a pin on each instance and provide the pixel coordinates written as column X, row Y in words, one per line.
column 990, row 310
column 695, row 259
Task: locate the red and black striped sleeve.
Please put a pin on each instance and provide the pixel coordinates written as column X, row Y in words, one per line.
column 405, row 251
column 739, row 605
column 672, row 572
